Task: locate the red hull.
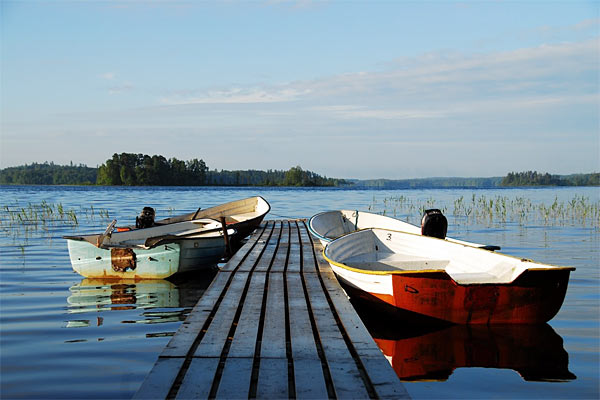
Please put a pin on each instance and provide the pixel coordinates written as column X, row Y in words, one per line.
column 534, row 297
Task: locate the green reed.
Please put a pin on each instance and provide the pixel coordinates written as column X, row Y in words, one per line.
column 496, row 209
column 32, row 218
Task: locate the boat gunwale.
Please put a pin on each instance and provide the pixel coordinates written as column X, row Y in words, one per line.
column 191, row 215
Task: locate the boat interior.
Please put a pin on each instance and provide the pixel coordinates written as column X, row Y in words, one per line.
column 379, row 250
column 383, row 261
column 234, row 212
column 332, row 224
column 138, row 237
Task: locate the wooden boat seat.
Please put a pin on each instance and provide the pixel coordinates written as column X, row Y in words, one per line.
column 411, row 263
column 473, row 277
column 503, row 272
column 243, row 216
column 395, row 261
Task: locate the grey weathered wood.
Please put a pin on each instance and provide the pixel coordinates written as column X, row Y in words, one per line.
column 342, row 367
column 347, row 381
column 250, row 262
column 160, row 379
column 338, row 355
column 382, row 376
column 384, row 379
column 294, row 259
column 245, row 337
column 235, row 380
column 198, row 379
column 309, row 379
column 359, row 335
column 265, row 261
column 308, row 258
column 272, row 379
column 301, row 332
column 261, row 232
column 331, row 337
column 182, row 341
column 308, row 370
column 273, row 335
column 218, row 331
column 280, row 261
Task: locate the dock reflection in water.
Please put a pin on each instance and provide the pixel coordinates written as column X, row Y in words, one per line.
column 430, row 353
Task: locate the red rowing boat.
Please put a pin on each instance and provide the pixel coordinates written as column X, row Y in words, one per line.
column 436, row 280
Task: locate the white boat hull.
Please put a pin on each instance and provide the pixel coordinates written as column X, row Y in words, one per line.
column 330, row 225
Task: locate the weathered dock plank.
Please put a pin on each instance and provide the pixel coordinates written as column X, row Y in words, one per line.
column 244, row 341
column 198, row 379
column 273, row 379
column 236, row 378
column 309, row 379
column 217, row 333
column 273, row 324
column 161, row 378
column 301, row 332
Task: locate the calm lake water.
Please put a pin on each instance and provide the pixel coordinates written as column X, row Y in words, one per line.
column 62, row 336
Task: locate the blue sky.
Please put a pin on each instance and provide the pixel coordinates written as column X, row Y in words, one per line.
column 384, row 89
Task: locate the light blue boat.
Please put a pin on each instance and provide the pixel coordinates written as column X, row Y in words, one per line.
column 150, row 253
column 157, row 250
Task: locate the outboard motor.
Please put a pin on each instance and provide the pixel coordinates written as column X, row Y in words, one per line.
column 434, row 224
column 146, row 218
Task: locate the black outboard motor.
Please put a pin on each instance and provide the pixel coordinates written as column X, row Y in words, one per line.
column 434, row 224
column 146, row 218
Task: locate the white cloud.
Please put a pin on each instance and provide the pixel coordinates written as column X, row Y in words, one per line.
column 238, row 96
column 433, row 87
column 587, row 23
column 109, row 76
column 355, row 112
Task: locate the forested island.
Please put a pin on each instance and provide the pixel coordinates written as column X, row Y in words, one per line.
column 49, row 174
column 534, row 178
column 128, row 169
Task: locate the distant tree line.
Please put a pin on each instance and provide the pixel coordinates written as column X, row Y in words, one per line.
column 49, row 174
column 142, row 170
column 534, row 178
column 127, row 169
column 295, row 176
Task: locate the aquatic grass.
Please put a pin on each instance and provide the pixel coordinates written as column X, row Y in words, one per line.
column 497, row 210
column 26, row 221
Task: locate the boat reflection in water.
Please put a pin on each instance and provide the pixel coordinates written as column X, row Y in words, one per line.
column 159, row 300
column 432, row 353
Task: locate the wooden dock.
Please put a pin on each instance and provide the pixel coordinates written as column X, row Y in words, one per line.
column 273, row 324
